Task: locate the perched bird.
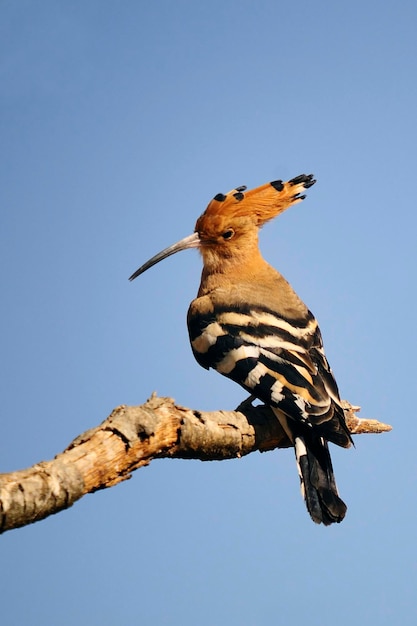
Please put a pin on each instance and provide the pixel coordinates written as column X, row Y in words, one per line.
column 248, row 324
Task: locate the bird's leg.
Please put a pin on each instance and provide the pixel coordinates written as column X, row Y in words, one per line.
column 246, row 404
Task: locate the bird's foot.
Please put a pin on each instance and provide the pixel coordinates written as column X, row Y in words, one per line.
column 246, row 404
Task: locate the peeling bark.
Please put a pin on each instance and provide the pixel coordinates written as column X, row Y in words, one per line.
column 132, row 437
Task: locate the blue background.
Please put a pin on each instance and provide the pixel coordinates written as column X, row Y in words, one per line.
column 119, row 121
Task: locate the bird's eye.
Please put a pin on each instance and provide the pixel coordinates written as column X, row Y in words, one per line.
column 228, row 234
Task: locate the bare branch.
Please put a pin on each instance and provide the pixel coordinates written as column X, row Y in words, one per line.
column 132, row 437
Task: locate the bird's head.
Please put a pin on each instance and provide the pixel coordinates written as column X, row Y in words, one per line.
column 229, row 226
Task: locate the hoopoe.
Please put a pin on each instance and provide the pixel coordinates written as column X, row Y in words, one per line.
column 249, row 325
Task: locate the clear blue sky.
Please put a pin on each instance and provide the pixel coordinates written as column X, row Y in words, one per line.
column 119, row 121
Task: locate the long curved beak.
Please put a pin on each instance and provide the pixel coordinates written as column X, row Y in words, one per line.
column 192, row 241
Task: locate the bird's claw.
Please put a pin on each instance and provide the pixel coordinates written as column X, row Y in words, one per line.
column 246, row 404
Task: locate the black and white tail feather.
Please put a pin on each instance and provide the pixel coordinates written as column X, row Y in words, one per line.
column 318, row 485
column 315, row 469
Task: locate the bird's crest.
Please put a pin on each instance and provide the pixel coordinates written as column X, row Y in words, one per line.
column 262, row 203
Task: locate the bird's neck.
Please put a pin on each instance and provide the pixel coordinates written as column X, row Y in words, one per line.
column 248, row 280
column 241, row 266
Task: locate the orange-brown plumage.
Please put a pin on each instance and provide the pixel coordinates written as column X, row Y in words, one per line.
column 260, row 204
column 228, row 228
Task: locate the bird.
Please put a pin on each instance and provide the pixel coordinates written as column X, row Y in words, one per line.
column 248, row 324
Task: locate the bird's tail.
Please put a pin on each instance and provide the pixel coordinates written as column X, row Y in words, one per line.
column 318, row 485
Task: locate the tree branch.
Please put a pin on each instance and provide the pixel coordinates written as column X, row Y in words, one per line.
column 132, row 437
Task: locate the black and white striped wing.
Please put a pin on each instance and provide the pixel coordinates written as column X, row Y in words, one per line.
column 279, row 361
